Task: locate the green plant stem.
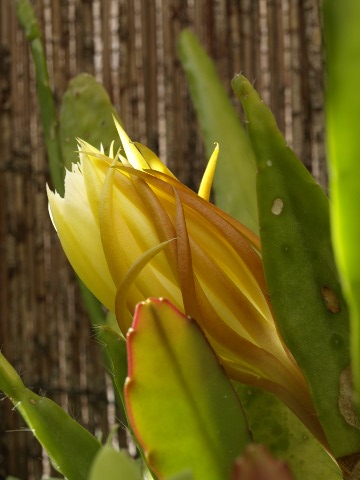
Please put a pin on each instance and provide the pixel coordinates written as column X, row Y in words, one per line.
column 71, row 448
column 28, row 21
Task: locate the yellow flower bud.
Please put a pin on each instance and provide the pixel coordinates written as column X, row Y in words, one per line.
column 131, row 231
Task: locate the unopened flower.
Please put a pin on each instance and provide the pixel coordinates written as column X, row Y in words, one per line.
column 131, row 231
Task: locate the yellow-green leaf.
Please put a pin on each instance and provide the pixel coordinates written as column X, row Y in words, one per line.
column 70, row 447
column 182, row 407
column 342, row 41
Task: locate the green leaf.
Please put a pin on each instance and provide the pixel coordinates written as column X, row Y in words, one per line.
column 70, row 447
column 286, row 437
column 342, row 35
column 111, row 464
column 300, row 271
column 27, row 19
column 187, row 475
column 47, row 478
column 86, row 113
column 114, row 351
column 234, row 182
column 182, row 407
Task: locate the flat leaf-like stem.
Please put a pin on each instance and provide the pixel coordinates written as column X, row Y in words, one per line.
column 300, row 271
column 70, row 447
column 342, row 42
column 182, row 407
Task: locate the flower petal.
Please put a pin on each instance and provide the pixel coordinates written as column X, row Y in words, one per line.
column 75, row 222
column 208, row 177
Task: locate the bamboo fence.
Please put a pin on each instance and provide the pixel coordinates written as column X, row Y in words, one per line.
column 130, row 46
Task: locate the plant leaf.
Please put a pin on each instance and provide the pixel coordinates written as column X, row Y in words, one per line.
column 70, row 447
column 285, row 435
column 235, row 176
column 300, row 271
column 342, row 42
column 187, row 475
column 26, row 15
column 87, row 113
column 114, row 351
column 182, row 407
column 111, row 464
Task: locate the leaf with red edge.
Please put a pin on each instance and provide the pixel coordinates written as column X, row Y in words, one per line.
column 180, row 404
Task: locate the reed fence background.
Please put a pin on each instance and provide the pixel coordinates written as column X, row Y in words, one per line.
column 130, row 46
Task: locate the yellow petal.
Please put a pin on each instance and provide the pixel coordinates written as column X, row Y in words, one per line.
column 132, row 153
column 208, row 177
column 80, row 237
column 126, row 233
column 153, row 160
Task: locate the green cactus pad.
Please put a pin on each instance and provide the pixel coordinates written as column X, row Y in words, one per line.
column 86, row 113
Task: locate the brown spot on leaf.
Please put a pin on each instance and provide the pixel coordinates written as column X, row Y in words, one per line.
column 330, row 299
